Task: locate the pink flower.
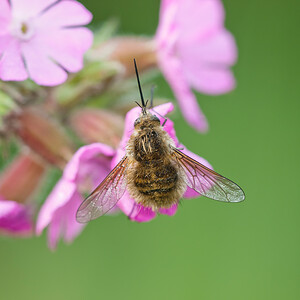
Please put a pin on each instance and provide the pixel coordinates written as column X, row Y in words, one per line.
column 195, row 51
column 14, row 218
column 126, row 203
column 42, row 39
column 87, row 168
column 19, row 180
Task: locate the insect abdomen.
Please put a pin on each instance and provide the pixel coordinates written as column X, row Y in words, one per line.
column 157, row 185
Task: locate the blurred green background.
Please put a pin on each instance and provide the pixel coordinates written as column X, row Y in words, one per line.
column 208, row 250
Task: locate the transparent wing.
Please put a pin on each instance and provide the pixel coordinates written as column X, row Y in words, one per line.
column 105, row 196
column 207, row 182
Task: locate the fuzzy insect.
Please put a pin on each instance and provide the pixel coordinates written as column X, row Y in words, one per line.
column 155, row 173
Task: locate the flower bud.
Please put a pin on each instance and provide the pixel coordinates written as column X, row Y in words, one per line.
column 21, row 177
column 95, row 125
column 43, row 136
column 124, row 49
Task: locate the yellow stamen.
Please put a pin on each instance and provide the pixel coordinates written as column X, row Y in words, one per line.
column 24, row 28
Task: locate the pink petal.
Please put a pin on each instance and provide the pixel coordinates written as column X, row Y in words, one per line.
column 196, row 157
column 169, row 128
column 67, row 46
column 213, row 51
column 64, row 14
column 167, row 30
column 62, row 193
column 11, row 63
column 6, row 41
column 14, row 218
column 40, row 67
column 22, row 9
column 83, row 155
column 126, row 203
column 190, row 193
column 169, row 211
column 54, row 232
column 133, row 211
column 72, row 228
column 212, row 81
column 59, row 213
column 64, row 222
column 172, row 69
column 199, row 17
column 117, row 158
column 205, row 62
column 6, row 207
column 162, row 110
column 5, row 16
column 131, row 116
column 142, row 214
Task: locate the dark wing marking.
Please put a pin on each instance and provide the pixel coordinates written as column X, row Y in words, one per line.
column 105, row 196
column 206, row 181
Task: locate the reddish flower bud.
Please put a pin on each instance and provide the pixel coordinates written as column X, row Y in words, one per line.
column 98, row 126
column 124, row 49
column 43, row 136
column 21, row 177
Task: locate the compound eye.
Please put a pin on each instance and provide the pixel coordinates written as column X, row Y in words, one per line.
column 155, row 118
column 137, row 121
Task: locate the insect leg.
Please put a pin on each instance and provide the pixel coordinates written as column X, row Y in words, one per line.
column 152, row 93
column 151, row 106
column 139, row 210
column 165, row 119
column 132, row 210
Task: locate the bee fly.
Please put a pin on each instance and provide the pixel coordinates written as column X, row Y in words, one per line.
column 155, row 173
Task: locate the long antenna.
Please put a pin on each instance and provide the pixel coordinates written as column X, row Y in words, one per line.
column 139, row 84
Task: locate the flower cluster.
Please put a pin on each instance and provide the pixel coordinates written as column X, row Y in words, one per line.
column 87, row 107
column 87, row 168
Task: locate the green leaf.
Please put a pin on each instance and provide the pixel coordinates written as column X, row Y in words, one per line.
column 6, row 104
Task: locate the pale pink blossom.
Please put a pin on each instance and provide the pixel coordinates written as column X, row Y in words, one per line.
column 42, row 39
column 195, row 51
column 87, row 168
column 15, row 218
